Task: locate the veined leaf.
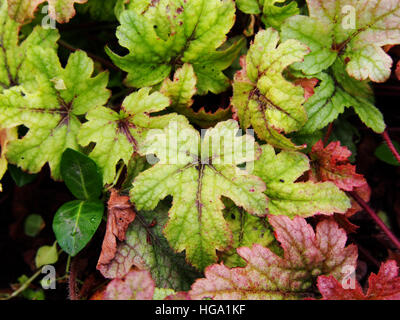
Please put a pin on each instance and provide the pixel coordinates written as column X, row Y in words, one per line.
column 75, row 223
column 352, row 30
column 273, row 12
column 290, row 198
column 137, row 285
column 307, row 255
column 247, row 230
column 263, row 98
column 197, row 174
column 170, row 33
column 332, row 164
column 146, row 248
column 117, row 134
column 14, row 67
column 50, row 108
column 181, row 91
column 81, row 175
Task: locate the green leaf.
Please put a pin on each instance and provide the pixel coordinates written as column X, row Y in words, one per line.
column 263, row 98
column 274, row 12
column 172, row 32
column 117, row 134
column 247, row 230
column 50, row 108
column 181, row 91
column 147, row 248
column 354, row 30
column 14, row 67
column 384, row 154
column 33, row 225
column 327, row 103
column 359, row 95
column 197, row 174
column 46, row 255
column 81, row 175
column 20, row 177
column 75, row 223
column 290, row 198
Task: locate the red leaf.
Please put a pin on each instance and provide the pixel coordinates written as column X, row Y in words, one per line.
column 308, row 86
column 383, row 286
column 120, row 215
column 332, row 164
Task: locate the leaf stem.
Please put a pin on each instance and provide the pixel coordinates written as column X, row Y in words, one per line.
column 24, row 286
column 375, row 217
column 389, row 143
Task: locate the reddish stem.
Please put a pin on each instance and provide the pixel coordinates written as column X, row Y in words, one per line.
column 390, row 145
column 328, row 133
column 375, row 217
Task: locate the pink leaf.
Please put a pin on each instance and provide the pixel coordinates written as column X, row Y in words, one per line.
column 137, row 285
column 307, row 254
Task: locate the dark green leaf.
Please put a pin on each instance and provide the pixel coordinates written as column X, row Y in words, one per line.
column 75, row 223
column 21, row 178
column 384, row 154
column 81, row 175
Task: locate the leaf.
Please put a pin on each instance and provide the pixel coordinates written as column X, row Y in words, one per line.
column 81, row 175
column 181, row 91
column 60, row 10
column 51, row 114
column 354, row 31
column 247, row 230
column 382, row 286
column 307, row 255
column 20, row 177
column 146, row 248
column 6, row 135
column 173, row 32
column 291, row 198
column 384, row 154
column 359, row 95
column 33, row 224
column 14, row 66
column 137, row 285
column 196, row 174
column 46, row 255
column 262, row 97
column 117, row 134
column 75, row 223
column 274, row 12
column 327, row 103
column 120, row 216
column 332, row 164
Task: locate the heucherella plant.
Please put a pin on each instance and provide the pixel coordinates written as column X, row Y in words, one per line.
column 202, row 149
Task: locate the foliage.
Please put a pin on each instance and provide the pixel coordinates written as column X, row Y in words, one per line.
column 210, row 129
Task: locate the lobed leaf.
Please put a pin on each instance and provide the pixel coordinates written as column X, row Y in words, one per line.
column 291, row 198
column 307, row 255
column 170, row 33
column 197, row 174
column 262, row 97
column 50, row 108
